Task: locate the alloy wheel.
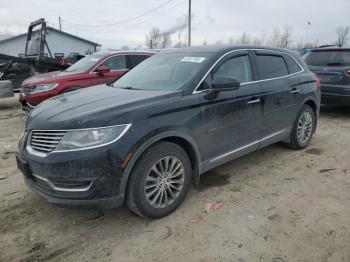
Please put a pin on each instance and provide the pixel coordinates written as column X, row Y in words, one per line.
column 164, row 182
column 305, row 127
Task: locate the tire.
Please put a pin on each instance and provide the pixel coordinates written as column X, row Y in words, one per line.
column 144, row 180
column 306, row 121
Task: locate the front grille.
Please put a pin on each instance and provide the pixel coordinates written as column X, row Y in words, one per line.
column 45, row 141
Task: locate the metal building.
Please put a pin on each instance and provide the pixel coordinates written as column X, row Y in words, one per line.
column 60, row 44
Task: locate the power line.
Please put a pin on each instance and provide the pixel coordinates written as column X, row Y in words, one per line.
column 126, row 20
column 189, row 22
column 170, row 8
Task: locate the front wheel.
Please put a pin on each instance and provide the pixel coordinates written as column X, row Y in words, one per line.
column 303, row 128
column 159, row 181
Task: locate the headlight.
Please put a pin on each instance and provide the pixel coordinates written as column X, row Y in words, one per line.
column 44, row 87
column 91, row 138
column 22, row 140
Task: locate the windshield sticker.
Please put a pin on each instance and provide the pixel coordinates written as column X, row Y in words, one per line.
column 192, row 59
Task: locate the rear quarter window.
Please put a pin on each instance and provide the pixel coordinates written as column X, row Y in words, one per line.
column 271, row 66
column 293, row 67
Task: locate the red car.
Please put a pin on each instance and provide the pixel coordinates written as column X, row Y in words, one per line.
column 99, row 68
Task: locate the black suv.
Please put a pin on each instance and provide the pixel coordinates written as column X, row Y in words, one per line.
column 145, row 137
column 332, row 65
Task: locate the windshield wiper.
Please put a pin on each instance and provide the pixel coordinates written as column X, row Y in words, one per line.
column 335, row 64
column 128, row 87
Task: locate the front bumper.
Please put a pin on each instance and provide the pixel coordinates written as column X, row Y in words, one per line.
column 25, row 105
column 112, row 202
column 91, row 178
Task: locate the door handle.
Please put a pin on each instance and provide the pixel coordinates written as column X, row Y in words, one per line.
column 295, row 91
column 254, row 101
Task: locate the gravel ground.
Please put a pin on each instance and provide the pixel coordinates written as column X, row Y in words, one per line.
column 275, row 205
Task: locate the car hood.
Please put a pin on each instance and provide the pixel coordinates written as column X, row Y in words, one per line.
column 96, row 106
column 48, row 77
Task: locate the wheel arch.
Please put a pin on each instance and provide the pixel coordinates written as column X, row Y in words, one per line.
column 315, row 107
column 181, row 139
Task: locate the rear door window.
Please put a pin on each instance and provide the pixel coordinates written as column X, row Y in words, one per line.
column 115, row 62
column 328, row 58
column 271, row 66
column 134, row 60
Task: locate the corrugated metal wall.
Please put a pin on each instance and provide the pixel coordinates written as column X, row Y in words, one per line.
column 58, row 43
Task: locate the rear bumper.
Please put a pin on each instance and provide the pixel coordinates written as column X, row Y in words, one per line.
column 335, row 99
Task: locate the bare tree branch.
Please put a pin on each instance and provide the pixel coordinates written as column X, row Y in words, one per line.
column 343, row 35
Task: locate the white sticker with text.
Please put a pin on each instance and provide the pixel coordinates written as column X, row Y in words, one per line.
column 193, row 59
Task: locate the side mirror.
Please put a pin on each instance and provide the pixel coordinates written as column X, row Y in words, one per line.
column 101, row 70
column 225, row 83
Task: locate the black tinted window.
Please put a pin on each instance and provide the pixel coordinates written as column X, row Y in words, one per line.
column 237, row 67
column 328, row 58
column 115, row 62
column 271, row 66
column 293, row 67
column 134, row 60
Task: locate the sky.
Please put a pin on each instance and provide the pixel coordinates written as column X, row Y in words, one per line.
column 213, row 20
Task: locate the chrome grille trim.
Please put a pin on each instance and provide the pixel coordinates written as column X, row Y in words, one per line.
column 45, row 141
column 45, row 137
column 62, row 189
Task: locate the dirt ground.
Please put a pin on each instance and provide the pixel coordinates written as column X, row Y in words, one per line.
column 275, row 205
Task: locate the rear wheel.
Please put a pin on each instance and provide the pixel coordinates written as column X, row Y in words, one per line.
column 303, row 129
column 159, row 181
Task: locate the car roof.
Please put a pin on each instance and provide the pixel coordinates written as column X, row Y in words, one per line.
column 223, row 49
column 325, row 49
column 124, row 52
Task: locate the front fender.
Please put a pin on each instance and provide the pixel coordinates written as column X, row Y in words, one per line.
column 151, row 141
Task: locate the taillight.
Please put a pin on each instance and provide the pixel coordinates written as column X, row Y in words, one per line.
column 347, row 72
column 318, row 81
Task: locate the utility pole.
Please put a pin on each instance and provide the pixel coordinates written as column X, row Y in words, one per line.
column 60, row 23
column 189, row 23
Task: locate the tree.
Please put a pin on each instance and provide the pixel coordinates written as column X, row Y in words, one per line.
column 274, row 39
column 343, row 35
column 165, row 40
column 153, row 38
column 286, row 36
column 125, row 47
column 244, row 39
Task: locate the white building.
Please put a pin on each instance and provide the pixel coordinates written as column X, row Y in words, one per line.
column 59, row 42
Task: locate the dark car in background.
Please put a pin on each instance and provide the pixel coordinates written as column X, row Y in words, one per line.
column 332, row 66
column 180, row 113
column 16, row 72
column 99, row 68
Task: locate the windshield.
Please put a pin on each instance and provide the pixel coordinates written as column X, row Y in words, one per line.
column 328, row 58
column 168, row 71
column 85, row 63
